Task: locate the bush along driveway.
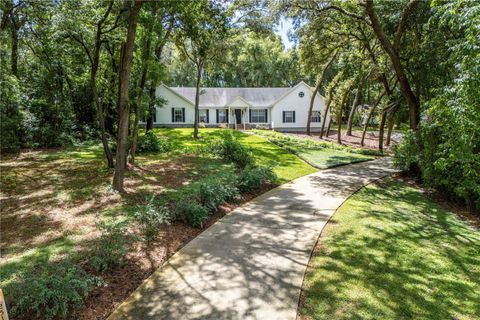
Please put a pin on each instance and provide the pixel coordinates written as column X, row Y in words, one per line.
column 250, row 264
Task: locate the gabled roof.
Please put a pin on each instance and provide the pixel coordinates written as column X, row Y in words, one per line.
column 220, row 97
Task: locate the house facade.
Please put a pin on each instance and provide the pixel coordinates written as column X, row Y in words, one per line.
column 283, row 109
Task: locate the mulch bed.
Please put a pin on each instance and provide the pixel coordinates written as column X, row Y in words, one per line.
column 144, row 259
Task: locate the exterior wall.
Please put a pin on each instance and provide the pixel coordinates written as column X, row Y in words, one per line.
column 292, row 102
column 164, row 114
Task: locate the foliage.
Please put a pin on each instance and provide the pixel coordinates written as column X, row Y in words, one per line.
column 194, row 213
column 11, row 119
column 231, row 150
column 151, row 217
column 252, row 178
column 445, row 151
column 149, row 142
column 213, row 192
column 111, row 248
column 52, row 292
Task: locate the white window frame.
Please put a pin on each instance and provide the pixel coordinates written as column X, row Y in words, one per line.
column 258, row 116
column 177, row 115
column 316, row 116
column 202, row 115
column 291, row 118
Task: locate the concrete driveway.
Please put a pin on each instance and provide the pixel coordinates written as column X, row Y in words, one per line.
column 251, row 263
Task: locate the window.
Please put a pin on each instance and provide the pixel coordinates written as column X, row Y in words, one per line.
column 178, row 114
column 203, row 116
column 258, row 116
column 222, row 116
column 301, row 94
column 288, row 116
column 316, row 116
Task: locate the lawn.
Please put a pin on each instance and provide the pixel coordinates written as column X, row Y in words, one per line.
column 286, row 165
column 391, row 253
column 320, row 154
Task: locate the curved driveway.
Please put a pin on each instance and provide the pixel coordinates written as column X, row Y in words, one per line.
column 250, row 264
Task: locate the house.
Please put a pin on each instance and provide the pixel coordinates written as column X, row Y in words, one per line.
column 283, row 109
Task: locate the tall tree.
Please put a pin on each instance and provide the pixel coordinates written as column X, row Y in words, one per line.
column 320, row 79
column 126, row 57
column 204, row 25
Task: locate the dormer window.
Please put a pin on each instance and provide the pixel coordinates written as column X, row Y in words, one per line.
column 301, row 94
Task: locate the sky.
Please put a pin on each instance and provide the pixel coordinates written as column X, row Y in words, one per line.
column 283, row 27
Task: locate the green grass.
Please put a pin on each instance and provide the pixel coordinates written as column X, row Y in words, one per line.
column 326, row 158
column 287, row 166
column 320, row 154
column 390, row 253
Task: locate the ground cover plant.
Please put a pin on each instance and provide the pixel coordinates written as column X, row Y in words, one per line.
column 391, row 253
column 320, row 154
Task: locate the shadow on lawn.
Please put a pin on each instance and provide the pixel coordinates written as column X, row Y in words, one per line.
column 409, row 259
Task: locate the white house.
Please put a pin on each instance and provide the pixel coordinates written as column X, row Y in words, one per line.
column 283, row 109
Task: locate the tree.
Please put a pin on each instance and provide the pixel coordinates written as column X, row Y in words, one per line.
column 126, row 57
column 320, row 79
column 199, row 38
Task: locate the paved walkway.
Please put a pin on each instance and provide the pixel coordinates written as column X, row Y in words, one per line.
column 251, row 263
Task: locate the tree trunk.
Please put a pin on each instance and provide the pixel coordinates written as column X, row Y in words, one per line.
column 315, row 91
column 407, row 92
column 141, row 86
column 151, row 107
column 96, row 101
column 340, row 112
column 355, row 104
column 370, row 114
column 381, row 130
column 322, row 129
column 327, row 108
column 328, row 127
column 197, row 100
column 389, row 131
column 126, row 57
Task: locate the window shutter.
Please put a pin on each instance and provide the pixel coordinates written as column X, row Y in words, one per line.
column 283, row 116
column 173, row 114
column 226, row 111
column 155, row 115
column 266, row 115
column 183, row 115
column 293, row 116
column 208, row 119
column 217, row 115
column 250, row 115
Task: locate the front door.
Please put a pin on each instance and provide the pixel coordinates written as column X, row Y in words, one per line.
column 238, row 116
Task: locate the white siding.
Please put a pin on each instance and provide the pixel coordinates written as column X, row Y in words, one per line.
column 292, row 102
column 164, row 114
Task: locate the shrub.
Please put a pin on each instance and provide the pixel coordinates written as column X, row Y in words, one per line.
column 445, row 151
column 192, row 212
column 111, row 248
column 149, row 142
column 214, row 192
column 231, row 150
column 53, row 291
column 151, row 217
column 251, row 179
